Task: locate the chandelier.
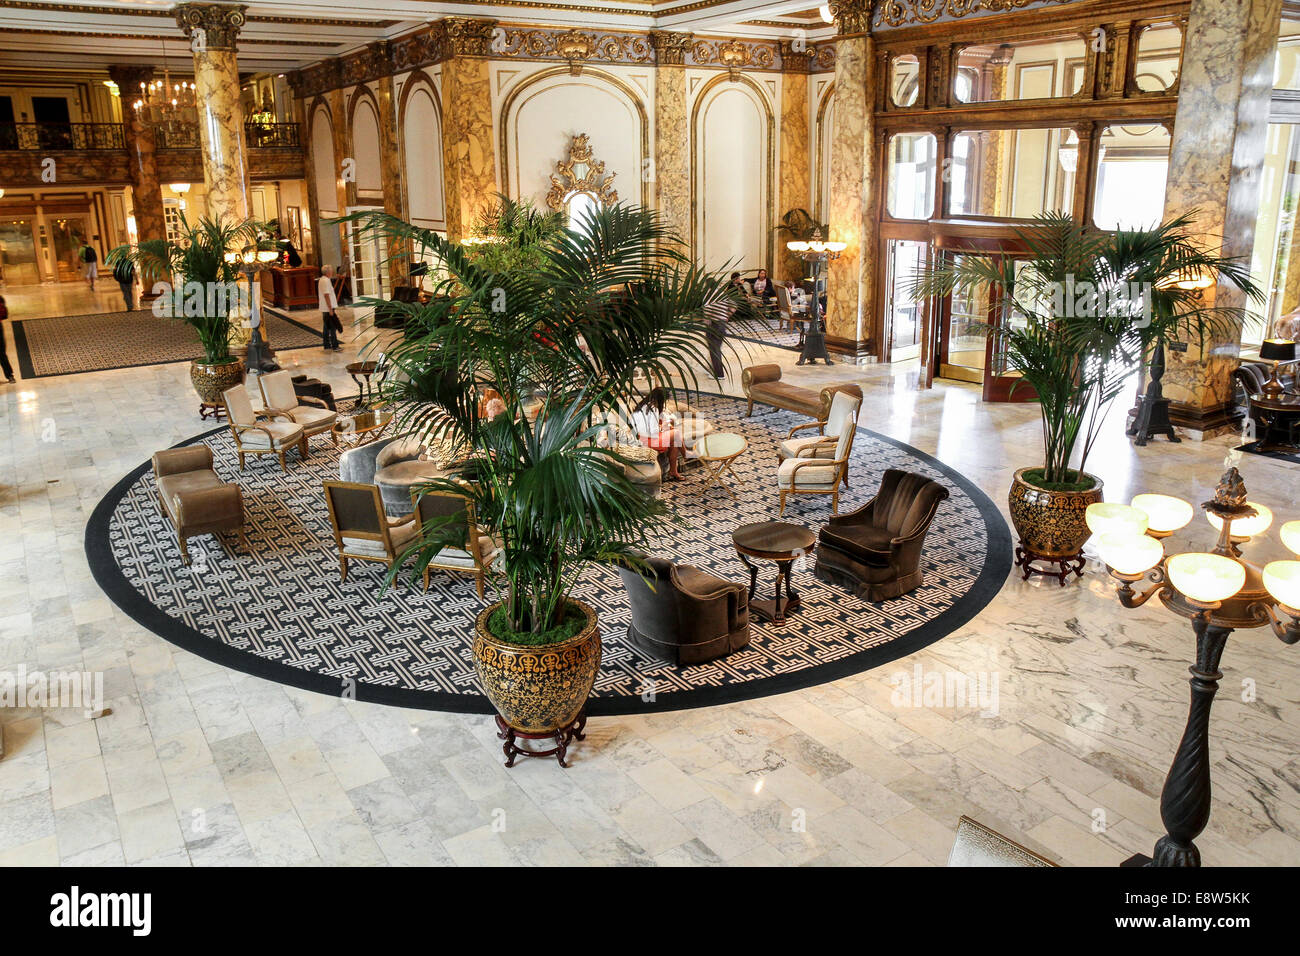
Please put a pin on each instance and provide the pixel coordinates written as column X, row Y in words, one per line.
column 165, row 104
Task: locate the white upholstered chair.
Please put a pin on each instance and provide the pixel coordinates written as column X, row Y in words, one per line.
column 362, row 532
column 478, row 551
column 260, row 433
column 823, row 436
column 312, row 414
column 808, row 474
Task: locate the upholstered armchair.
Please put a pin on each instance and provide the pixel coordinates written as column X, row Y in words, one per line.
column 875, row 551
column 193, row 498
column 362, row 532
column 478, row 551
column 281, row 398
column 261, row 433
column 823, row 436
column 683, row 614
column 817, row 469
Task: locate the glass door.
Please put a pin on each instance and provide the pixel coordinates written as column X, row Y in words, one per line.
column 367, row 256
column 963, row 344
column 906, row 258
column 18, row 253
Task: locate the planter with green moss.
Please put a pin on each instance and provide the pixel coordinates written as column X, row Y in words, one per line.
column 538, row 683
column 1049, row 519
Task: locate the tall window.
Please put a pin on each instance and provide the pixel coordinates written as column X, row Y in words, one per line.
column 1133, row 163
column 911, row 175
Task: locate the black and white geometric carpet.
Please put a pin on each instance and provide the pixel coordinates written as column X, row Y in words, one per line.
column 764, row 332
column 282, row 613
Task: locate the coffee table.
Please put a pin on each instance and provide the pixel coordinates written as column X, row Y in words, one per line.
column 367, row 425
column 1277, row 413
column 718, row 451
column 781, row 543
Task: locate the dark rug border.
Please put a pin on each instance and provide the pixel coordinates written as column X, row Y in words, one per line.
column 111, row 580
column 29, row 370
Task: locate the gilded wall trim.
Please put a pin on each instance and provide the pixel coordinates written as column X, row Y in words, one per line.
column 770, row 167
column 503, row 132
column 901, row 13
column 819, row 131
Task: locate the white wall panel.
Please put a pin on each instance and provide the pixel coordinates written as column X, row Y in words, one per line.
column 422, row 144
column 731, row 178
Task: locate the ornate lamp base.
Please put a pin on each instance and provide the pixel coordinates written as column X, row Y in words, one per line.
column 1150, row 420
column 1063, row 565
column 562, row 737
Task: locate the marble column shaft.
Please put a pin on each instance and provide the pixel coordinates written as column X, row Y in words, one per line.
column 141, row 145
column 392, row 178
column 1215, row 164
column 470, row 173
column 795, row 190
column 671, row 169
column 221, row 133
column 853, row 191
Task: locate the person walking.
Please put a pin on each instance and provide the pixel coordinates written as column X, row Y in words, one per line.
column 718, row 314
column 124, row 273
column 91, row 260
column 4, row 354
column 330, row 324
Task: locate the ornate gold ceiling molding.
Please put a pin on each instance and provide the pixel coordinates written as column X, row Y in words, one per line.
column 581, row 173
column 84, row 34
column 899, row 13
column 573, row 46
column 163, row 13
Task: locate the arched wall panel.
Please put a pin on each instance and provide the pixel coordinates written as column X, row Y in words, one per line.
column 365, row 147
column 422, row 150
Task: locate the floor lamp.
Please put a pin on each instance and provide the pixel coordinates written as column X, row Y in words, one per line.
column 817, row 253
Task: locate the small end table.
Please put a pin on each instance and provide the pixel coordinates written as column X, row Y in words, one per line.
column 368, row 422
column 1277, row 413
column 781, row 543
column 718, row 451
column 361, row 372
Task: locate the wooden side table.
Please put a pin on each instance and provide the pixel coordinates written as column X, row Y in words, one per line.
column 718, row 451
column 781, row 543
column 1277, row 413
column 361, row 373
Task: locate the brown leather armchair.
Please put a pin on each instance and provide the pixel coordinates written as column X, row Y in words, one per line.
column 685, row 615
column 875, row 551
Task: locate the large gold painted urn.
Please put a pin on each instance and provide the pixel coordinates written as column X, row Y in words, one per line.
column 539, row 691
column 211, row 380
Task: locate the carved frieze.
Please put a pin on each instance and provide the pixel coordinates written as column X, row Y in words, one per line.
column 898, row 13
column 734, row 55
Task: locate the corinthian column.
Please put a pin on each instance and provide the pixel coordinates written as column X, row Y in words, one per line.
column 671, row 170
column 796, row 188
column 141, row 146
column 212, row 29
column 850, row 326
column 1215, row 162
column 470, row 168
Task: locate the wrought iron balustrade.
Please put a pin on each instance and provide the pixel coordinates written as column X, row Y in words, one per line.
column 38, row 136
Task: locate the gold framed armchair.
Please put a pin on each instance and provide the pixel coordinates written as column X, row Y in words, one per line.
column 478, row 551
column 281, row 398
column 822, row 443
column 808, row 474
column 261, row 433
column 362, row 531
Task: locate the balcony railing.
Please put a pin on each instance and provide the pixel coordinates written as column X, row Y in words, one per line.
column 272, row 135
column 37, row 136
column 258, row 136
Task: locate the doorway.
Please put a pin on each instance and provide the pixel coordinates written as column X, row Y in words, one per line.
column 18, row 264
column 53, row 122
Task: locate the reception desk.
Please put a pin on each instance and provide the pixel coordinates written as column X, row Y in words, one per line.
column 287, row 288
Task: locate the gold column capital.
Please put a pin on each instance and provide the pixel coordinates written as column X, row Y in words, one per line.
column 670, row 47
column 464, row 36
column 796, row 56
column 852, row 16
column 219, row 22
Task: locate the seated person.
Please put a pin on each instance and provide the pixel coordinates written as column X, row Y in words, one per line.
column 764, row 288
column 656, row 430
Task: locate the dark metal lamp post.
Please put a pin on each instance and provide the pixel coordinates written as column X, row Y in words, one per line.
column 259, row 357
column 1218, row 591
column 816, row 252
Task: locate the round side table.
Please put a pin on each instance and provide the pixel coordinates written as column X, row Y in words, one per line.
column 781, row 543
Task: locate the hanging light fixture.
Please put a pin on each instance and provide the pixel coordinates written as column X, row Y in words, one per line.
column 166, row 104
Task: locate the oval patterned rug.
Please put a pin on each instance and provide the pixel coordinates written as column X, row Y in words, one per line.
column 281, row 613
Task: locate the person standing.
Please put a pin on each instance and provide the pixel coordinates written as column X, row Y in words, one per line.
column 4, row 354
column 91, row 260
column 330, row 324
column 124, row 273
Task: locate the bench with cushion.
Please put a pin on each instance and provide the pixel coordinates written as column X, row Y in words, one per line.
column 762, row 383
column 193, row 498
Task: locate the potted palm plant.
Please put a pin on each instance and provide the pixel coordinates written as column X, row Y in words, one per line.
column 201, row 268
column 1079, row 309
column 557, row 333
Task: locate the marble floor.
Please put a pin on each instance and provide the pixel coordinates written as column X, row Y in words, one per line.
column 199, row 765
